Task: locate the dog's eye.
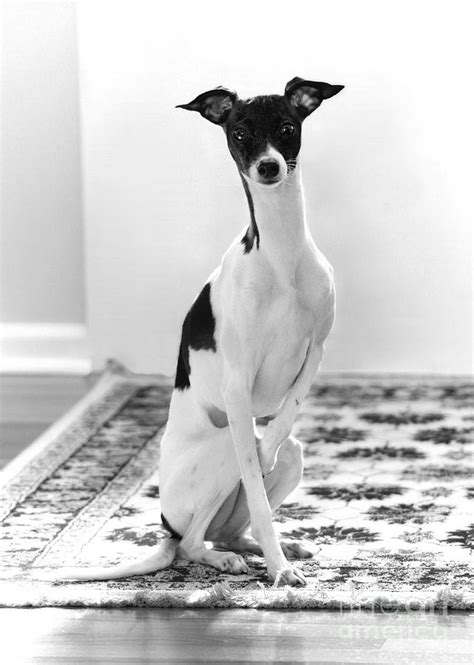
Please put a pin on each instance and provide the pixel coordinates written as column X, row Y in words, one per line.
column 239, row 134
column 287, row 129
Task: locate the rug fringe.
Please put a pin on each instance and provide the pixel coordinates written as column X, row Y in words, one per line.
column 221, row 595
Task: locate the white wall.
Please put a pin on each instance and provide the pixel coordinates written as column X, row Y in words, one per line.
column 384, row 167
column 41, row 251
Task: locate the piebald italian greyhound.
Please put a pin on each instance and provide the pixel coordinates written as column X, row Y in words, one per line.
column 250, row 347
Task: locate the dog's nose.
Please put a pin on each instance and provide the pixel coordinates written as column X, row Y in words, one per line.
column 268, row 169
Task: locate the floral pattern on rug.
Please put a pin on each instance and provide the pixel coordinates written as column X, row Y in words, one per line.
column 386, row 502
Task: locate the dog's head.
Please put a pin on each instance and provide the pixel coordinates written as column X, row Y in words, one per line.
column 264, row 132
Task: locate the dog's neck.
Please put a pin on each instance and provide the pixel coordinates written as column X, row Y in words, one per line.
column 280, row 220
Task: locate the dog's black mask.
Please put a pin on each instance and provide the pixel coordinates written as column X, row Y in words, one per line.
column 253, row 125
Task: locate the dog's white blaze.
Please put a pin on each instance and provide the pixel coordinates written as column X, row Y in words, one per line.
column 273, row 154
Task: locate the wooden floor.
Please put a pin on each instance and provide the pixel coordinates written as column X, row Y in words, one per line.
column 144, row 635
column 28, row 404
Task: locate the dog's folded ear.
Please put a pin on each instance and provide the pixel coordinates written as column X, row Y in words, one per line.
column 214, row 105
column 306, row 96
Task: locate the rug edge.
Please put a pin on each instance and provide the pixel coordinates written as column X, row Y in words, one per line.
column 222, row 596
column 109, row 377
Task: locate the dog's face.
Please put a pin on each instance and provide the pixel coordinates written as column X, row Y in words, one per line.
column 264, row 133
column 264, row 138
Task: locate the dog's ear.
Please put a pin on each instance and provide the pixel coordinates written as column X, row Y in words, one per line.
column 306, row 96
column 214, row 105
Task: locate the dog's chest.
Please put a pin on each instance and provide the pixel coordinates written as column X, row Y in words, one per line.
column 295, row 303
column 293, row 314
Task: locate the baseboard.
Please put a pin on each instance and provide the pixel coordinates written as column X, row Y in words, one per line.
column 44, row 348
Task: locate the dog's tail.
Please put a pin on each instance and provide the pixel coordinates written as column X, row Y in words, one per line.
column 162, row 557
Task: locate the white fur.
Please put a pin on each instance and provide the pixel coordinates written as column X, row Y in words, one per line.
column 268, row 154
column 274, row 307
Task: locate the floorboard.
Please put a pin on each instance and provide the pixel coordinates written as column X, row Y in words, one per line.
column 144, row 635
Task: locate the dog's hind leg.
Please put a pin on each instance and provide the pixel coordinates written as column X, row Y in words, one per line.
column 229, row 527
column 196, row 484
column 192, row 546
column 292, row 549
column 226, row 561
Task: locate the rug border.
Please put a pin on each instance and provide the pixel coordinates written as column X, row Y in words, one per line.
column 113, row 374
column 141, row 466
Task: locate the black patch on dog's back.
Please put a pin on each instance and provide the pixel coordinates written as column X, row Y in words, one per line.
column 197, row 333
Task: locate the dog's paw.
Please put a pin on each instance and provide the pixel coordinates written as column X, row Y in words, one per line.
column 293, row 549
column 290, row 576
column 230, row 562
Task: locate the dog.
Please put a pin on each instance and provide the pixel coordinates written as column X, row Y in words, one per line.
column 251, row 345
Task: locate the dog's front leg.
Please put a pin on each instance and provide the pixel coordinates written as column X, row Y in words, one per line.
column 236, row 393
column 279, row 429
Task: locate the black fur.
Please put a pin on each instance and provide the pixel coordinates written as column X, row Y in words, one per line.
column 261, row 118
column 252, row 235
column 197, row 333
column 169, row 528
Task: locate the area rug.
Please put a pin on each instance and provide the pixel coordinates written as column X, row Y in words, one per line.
column 386, row 501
